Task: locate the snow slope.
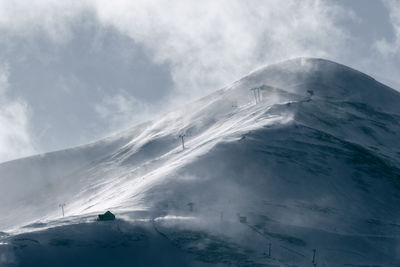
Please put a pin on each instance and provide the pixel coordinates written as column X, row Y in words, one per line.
column 315, row 164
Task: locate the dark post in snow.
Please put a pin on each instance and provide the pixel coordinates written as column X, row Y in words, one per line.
column 269, row 250
column 256, row 92
column 313, row 258
column 62, row 208
column 222, row 216
column 182, row 136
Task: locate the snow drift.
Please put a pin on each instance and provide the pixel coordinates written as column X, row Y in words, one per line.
column 307, row 150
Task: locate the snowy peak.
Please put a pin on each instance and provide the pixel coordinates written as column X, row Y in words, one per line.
column 305, row 150
column 326, row 79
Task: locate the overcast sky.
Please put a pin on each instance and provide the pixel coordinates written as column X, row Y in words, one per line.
column 72, row 72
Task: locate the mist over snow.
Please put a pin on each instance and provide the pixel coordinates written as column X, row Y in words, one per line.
column 82, row 70
column 14, row 121
column 296, row 158
column 218, row 133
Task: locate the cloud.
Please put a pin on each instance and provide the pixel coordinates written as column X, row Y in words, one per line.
column 386, row 51
column 207, row 44
column 387, row 47
column 51, row 17
column 121, row 109
column 211, row 43
column 15, row 139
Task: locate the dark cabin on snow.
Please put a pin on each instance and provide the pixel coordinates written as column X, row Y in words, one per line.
column 108, row 216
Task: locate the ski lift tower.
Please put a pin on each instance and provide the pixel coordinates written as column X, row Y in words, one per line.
column 256, row 92
column 182, row 137
column 62, row 208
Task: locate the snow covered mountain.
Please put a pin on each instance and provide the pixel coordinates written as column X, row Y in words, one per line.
column 298, row 156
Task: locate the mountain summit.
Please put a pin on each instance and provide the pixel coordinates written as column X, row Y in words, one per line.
column 327, row 79
column 301, row 155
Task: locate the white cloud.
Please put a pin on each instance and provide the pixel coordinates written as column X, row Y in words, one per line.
column 207, row 43
column 385, row 47
column 211, row 43
column 15, row 140
column 122, row 109
column 49, row 16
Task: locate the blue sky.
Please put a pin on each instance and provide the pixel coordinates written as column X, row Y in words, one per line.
column 72, row 72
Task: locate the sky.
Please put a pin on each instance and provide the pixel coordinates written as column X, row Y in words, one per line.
column 72, row 72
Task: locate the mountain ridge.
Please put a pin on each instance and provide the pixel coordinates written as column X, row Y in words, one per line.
column 260, row 70
column 301, row 163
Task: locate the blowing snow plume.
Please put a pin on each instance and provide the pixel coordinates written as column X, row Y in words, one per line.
column 295, row 164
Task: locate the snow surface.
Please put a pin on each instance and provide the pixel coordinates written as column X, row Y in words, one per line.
column 313, row 165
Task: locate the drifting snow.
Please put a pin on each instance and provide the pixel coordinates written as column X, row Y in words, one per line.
column 313, row 165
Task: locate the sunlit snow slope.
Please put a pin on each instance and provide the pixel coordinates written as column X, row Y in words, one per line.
column 314, row 164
